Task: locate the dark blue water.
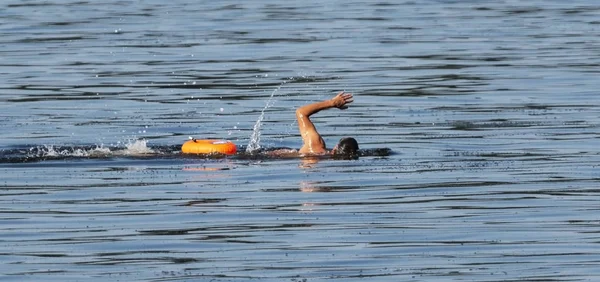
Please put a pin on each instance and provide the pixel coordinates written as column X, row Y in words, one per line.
column 490, row 109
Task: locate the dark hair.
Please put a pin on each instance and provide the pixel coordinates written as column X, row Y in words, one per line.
column 347, row 147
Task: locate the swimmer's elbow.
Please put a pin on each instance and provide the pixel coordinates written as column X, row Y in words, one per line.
column 300, row 113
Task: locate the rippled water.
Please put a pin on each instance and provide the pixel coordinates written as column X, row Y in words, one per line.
column 490, row 109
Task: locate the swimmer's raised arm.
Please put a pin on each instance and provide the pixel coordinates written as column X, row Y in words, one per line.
column 312, row 141
column 340, row 101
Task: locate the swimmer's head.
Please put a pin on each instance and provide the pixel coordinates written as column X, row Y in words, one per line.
column 346, row 148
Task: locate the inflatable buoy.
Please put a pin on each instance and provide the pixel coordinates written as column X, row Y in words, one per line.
column 196, row 146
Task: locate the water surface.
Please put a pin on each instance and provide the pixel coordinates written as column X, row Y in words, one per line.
column 489, row 107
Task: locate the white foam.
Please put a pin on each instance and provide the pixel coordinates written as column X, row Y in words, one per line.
column 55, row 151
column 132, row 148
column 138, row 147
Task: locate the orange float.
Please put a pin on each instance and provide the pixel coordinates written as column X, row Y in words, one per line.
column 208, row 146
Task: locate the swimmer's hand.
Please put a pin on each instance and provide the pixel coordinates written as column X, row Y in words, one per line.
column 341, row 100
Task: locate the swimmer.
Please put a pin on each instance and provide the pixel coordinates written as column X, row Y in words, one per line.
column 313, row 143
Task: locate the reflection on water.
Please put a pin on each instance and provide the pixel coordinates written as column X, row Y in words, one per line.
column 479, row 123
column 308, row 186
column 308, row 162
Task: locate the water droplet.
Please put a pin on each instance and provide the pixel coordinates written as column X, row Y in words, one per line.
column 254, row 143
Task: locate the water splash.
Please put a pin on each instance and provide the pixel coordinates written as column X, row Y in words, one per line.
column 51, row 151
column 41, row 152
column 138, row 147
column 254, row 143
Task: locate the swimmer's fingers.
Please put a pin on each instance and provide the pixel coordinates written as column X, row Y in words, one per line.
column 345, row 105
column 347, row 98
column 343, row 94
column 341, row 99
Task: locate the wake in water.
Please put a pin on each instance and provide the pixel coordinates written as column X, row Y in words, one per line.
column 134, row 148
column 138, row 149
